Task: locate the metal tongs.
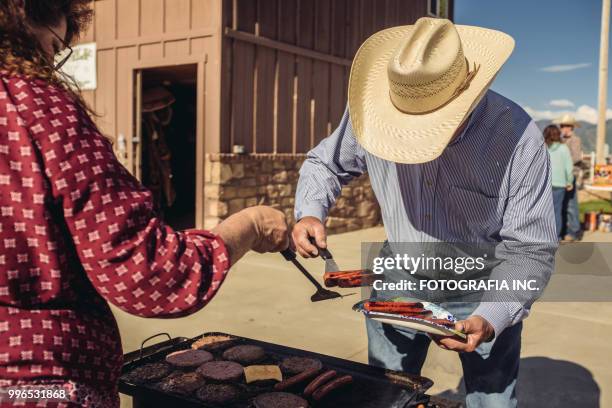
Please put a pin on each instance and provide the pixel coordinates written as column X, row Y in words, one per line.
column 321, row 293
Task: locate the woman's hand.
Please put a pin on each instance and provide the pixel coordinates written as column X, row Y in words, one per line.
column 270, row 227
column 260, row 228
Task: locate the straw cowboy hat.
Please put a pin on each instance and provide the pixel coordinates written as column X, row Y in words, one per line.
column 412, row 86
column 567, row 119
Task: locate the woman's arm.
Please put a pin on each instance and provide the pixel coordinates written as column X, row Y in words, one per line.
column 132, row 258
column 260, row 228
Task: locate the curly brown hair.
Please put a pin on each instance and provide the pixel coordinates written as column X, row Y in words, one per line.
column 552, row 134
column 20, row 50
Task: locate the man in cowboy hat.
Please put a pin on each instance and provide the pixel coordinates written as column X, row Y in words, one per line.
column 449, row 161
column 568, row 123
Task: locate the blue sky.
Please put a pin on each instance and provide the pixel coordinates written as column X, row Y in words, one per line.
column 554, row 67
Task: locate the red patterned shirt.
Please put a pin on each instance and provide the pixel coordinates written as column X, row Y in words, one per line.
column 77, row 230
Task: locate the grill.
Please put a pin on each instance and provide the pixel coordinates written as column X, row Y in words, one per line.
column 372, row 387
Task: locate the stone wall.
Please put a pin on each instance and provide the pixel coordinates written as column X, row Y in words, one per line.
column 234, row 182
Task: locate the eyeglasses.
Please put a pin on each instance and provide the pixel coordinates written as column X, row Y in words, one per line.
column 64, row 55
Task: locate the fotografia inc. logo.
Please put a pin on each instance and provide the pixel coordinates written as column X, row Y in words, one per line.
column 577, row 272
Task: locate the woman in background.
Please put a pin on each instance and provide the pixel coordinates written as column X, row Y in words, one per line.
column 562, row 171
column 78, row 231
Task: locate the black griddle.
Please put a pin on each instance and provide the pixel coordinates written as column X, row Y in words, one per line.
column 373, row 387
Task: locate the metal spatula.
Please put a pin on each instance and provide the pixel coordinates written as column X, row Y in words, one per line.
column 321, row 293
column 330, row 264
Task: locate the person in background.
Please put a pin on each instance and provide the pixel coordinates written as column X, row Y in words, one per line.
column 572, row 229
column 562, row 166
column 78, row 231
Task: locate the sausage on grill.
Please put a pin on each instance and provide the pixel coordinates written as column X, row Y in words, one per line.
column 322, row 391
column 319, row 381
column 296, row 379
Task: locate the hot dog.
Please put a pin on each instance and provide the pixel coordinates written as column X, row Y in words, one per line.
column 296, row 379
column 356, row 281
column 398, row 310
column 319, row 381
column 395, row 304
column 332, row 279
column 442, row 322
column 394, row 307
column 322, row 391
column 421, row 315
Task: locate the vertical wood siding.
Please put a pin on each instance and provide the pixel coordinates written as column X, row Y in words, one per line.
column 286, row 102
column 148, row 33
column 267, row 99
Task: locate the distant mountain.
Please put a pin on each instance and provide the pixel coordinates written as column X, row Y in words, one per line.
column 587, row 133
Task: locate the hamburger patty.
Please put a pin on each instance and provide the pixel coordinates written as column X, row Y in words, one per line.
column 220, row 394
column 279, row 400
column 182, row 383
column 221, row 371
column 296, row 365
column 148, row 373
column 245, row 354
column 189, row 358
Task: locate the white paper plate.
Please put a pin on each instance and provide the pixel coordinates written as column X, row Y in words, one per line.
column 415, row 323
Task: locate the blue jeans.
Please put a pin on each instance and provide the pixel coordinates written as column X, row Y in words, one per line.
column 489, row 373
column 572, row 213
column 558, row 202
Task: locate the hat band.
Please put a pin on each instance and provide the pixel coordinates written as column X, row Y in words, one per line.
column 458, row 91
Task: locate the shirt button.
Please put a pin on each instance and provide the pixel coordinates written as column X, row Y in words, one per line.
column 429, row 183
column 428, row 216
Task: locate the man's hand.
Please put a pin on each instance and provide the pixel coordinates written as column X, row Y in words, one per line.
column 306, row 228
column 569, row 187
column 478, row 331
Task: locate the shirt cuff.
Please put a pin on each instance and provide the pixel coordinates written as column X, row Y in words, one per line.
column 312, row 209
column 500, row 315
column 219, row 258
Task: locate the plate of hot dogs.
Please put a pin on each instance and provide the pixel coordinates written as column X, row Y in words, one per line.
column 422, row 316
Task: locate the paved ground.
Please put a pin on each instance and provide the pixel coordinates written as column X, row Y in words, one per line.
column 566, row 348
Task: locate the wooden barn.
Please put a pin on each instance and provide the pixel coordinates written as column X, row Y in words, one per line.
column 213, row 103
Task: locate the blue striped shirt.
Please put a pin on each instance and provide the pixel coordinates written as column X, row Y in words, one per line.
column 491, row 184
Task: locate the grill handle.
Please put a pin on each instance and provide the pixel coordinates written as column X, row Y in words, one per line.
column 151, row 338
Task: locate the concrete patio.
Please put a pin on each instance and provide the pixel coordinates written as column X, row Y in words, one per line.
column 566, row 349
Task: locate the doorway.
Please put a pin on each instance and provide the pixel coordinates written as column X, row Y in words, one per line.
column 166, row 140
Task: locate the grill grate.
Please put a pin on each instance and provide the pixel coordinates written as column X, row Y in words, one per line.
column 373, row 387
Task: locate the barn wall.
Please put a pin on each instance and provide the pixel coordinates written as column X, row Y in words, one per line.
column 267, row 99
column 275, row 80
column 148, row 33
column 286, row 65
column 285, row 71
column 134, row 34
